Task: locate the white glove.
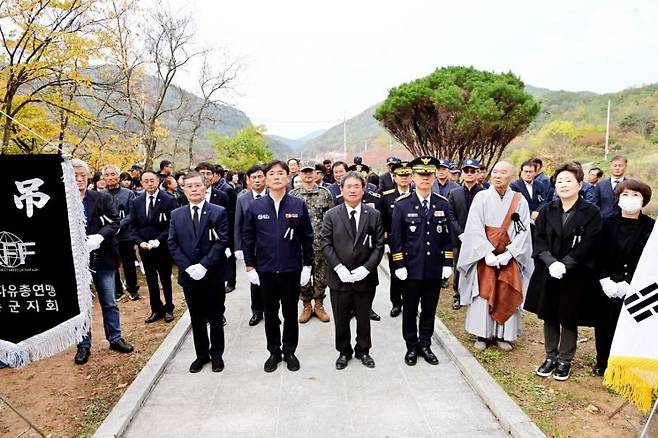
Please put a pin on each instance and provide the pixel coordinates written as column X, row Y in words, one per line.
column 154, row 243
column 504, row 258
column 94, row 242
column 344, row 274
column 609, row 287
column 491, row 260
column 557, row 270
column 461, row 237
column 239, row 254
column 306, row 276
column 446, row 272
column 228, row 253
column 253, row 277
column 387, row 249
column 197, row 272
column 401, row 273
column 623, row 288
column 359, row 273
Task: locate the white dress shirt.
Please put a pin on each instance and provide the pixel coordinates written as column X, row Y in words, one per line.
column 425, row 199
column 200, row 205
column 276, row 204
column 148, row 201
column 208, row 193
column 528, row 187
column 357, row 215
column 261, row 194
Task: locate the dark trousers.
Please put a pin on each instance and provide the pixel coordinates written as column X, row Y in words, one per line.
column 604, row 330
column 396, row 286
column 280, row 289
column 425, row 293
column 342, row 305
column 157, row 263
column 455, row 274
column 127, row 253
column 560, row 341
column 205, row 302
column 256, row 299
column 230, row 271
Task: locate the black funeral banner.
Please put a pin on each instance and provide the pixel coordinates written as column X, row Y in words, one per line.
column 45, row 301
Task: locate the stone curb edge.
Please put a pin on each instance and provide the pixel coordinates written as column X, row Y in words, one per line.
column 116, row 423
column 510, row 416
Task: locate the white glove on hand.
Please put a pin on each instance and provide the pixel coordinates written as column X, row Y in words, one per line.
column 491, row 260
column 253, row 277
column 359, row 273
column 228, row 253
column 623, row 288
column 94, row 242
column 344, row 274
column 197, row 272
column 387, row 249
column 504, row 258
column 306, row 276
column 609, row 287
column 239, row 254
column 401, row 273
column 154, row 243
column 446, row 272
column 557, row 270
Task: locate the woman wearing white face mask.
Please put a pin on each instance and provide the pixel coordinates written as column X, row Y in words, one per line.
column 623, row 238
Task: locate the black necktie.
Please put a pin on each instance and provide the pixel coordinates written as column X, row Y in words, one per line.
column 614, row 184
column 426, row 210
column 151, row 202
column 353, row 222
column 257, row 196
column 195, row 219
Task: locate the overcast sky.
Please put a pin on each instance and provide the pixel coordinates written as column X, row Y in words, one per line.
column 305, row 63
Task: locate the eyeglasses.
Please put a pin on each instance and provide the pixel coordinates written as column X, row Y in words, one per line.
column 470, row 170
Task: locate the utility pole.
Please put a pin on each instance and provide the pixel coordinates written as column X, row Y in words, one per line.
column 344, row 135
column 607, row 132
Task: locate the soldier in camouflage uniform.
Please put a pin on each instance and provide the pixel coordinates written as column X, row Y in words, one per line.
column 318, row 200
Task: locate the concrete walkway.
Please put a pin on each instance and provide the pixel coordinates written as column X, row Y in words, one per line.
column 392, row 400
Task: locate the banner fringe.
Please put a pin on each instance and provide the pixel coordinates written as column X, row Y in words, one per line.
column 634, row 378
column 72, row 331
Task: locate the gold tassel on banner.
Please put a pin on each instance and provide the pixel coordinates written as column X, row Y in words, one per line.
column 634, row 378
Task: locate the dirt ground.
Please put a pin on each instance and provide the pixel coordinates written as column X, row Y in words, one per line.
column 66, row 400
column 578, row 407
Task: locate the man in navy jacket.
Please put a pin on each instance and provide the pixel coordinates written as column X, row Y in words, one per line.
column 277, row 240
column 533, row 190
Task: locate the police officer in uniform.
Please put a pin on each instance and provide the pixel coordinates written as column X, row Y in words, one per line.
column 402, row 176
column 422, row 255
column 386, row 180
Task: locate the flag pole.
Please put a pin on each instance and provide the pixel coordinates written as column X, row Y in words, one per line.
column 645, row 431
column 607, row 132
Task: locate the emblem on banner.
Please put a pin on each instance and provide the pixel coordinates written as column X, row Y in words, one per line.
column 13, row 251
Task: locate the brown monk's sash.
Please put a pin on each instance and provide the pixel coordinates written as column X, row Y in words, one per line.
column 501, row 287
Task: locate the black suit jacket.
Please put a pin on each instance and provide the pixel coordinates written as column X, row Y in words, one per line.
column 458, row 212
column 154, row 226
column 605, row 198
column 539, row 197
column 103, row 219
column 340, row 247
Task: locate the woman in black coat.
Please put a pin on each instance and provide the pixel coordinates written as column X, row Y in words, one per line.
column 622, row 241
column 564, row 290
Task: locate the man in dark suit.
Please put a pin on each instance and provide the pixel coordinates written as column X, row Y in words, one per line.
column 352, row 242
column 339, row 169
column 542, row 178
column 102, row 226
column 198, row 237
column 256, row 179
column 149, row 228
column 442, row 184
column 224, row 186
column 604, row 191
column 532, row 189
column 459, row 202
column 386, row 181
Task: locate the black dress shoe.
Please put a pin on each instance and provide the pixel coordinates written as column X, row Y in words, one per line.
column 230, row 288
column 217, row 365
column 272, row 362
column 154, row 317
column 82, row 355
column 456, row 305
column 255, row 319
column 198, row 364
column 168, row 317
column 374, row 316
column 410, row 358
column 395, row 311
column 427, row 354
column 367, row 360
column 547, row 368
column 135, row 297
column 292, row 361
column 341, row 362
column 599, row 370
column 122, row 346
column 223, row 321
column 562, row 371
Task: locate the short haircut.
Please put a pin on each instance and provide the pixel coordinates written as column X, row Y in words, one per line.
column 327, row 161
column 574, row 168
column 637, row 186
column 254, row 169
column 373, row 178
column 178, row 175
column 339, row 163
column 136, row 182
column 193, row 174
column 352, row 174
column 204, row 165
column 111, row 167
column 125, row 176
column 219, row 170
column 296, row 160
column 619, row 158
column 275, row 163
column 528, row 163
column 538, row 162
column 599, row 172
column 165, row 163
column 149, row 171
column 483, row 167
column 75, row 162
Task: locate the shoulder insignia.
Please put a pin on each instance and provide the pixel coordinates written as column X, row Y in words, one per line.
column 375, row 194
column 388, row 192
column 338, row 196
column 406, row 195
column 440, row 196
